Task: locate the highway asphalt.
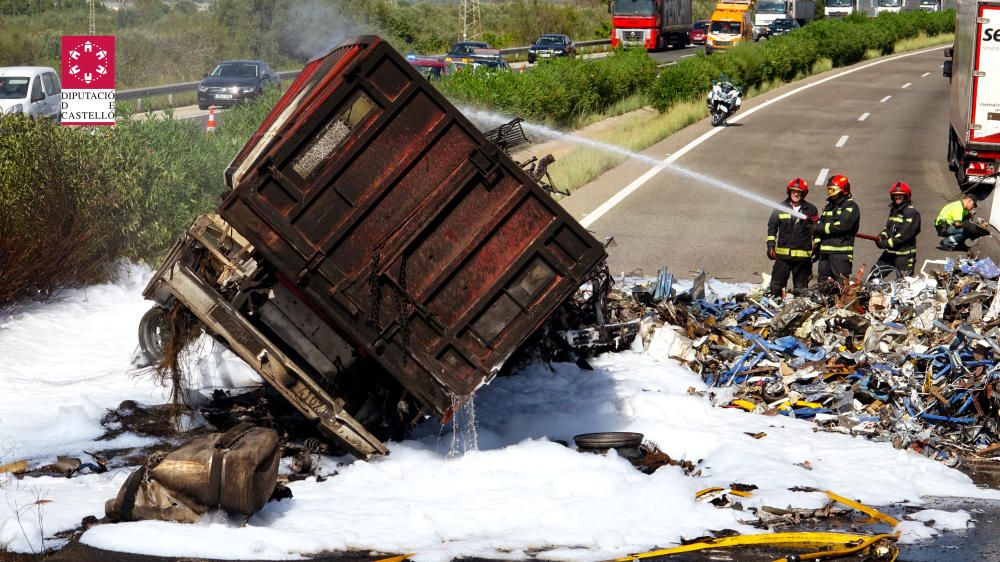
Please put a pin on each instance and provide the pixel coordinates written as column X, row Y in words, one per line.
column 877, row 124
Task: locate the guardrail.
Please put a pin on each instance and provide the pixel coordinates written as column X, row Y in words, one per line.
column 169, row 90
column 518, row 50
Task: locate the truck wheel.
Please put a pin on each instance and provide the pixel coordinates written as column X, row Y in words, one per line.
column 952, row 152
column 153, row 334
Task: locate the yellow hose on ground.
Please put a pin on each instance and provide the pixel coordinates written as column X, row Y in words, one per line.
column 847, row 543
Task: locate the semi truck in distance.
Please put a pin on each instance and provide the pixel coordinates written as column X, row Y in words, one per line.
column 767, row 11
column 888, row 6
column 839, row 8
column 653, row 24
column 972, row 67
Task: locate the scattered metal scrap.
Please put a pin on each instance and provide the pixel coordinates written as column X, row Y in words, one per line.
column 914, row 362
column 509, row 136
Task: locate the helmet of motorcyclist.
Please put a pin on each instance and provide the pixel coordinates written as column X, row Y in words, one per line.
column 900, row 188
column 799, row 184
column 838, row 185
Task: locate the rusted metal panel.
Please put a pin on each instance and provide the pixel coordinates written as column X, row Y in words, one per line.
column 416, row 238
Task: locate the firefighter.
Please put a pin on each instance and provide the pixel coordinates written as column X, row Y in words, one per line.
column 790, row 239
column 954, row 224
column 898, row 239
column 833, row 245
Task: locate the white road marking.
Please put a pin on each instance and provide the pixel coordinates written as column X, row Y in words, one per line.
column 863, row 116
column 822, row 176
column 842, row 141
column 907, row 85
column 617, row 198
column 925, row 75
column 885, row 99
column 686, row 56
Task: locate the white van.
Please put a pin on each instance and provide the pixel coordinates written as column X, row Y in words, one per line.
column 31, row 90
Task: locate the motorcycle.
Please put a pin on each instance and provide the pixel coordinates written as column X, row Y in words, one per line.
column 723, row 101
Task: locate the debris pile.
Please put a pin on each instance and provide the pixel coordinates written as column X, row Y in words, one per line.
column 914, row 362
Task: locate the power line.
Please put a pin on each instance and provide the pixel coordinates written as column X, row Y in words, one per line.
column 472, row 24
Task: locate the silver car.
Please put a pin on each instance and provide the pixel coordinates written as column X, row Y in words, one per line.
column 31, row 90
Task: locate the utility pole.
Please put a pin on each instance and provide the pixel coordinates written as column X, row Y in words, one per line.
column 472, row 25
column 93, row 21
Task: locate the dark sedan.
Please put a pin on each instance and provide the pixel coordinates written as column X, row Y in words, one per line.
column 235, row 81
column 781, row 27
column 551, row 45
column 699, row 30
column 464, row 51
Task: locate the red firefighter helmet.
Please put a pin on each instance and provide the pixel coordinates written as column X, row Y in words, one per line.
column 841, row 183
column 900, row 188
column 799, row 184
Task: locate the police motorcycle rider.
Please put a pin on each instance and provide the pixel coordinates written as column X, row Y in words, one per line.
column 723, row 100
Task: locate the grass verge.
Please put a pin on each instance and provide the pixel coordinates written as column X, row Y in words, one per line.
column 644, row 127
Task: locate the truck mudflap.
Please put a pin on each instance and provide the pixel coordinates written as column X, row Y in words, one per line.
column 178, row 279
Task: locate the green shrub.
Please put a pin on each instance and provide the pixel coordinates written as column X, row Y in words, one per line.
column 76, row 200
column 556, row 91
column 688, row 79
column 878, row 38
column 787, row 56
column 68, row 206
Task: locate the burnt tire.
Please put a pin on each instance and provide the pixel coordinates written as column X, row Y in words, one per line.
column 154, row 332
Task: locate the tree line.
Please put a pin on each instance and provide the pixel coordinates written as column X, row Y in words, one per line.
column 160, row 43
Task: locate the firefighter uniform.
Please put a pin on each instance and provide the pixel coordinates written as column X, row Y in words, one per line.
column 791, row 239
column 835, row 232
column 899, row 238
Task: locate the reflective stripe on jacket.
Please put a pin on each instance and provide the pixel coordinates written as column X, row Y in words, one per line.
column 901, row 229
column 951, row 213
column 837, row 226
column 790, row 236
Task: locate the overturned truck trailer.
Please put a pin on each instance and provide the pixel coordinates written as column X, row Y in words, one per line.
column 375, row 259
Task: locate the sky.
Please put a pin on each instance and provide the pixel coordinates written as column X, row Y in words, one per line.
column 503, row 481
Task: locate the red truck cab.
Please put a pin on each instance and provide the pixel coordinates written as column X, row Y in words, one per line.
column 653, row 24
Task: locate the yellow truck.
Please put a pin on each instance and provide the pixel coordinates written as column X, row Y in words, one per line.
column 730, row 26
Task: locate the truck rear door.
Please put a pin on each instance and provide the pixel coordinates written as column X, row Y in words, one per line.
column 986, row 77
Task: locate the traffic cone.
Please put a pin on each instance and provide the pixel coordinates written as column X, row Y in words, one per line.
column 211, row 120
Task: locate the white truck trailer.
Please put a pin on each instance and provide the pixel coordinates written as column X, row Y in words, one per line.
column 769, row 10
column 973, row 70
column 839, row 8
column 888, row 6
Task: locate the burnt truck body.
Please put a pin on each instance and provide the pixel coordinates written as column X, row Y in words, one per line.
column 375, row 255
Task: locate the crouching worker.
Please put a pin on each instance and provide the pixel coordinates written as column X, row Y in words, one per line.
column 790, row 239
column 899, row 237
column 955, row 226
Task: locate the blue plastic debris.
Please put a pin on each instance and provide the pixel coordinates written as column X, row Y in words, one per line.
column 935, row 388
column 984, row 267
